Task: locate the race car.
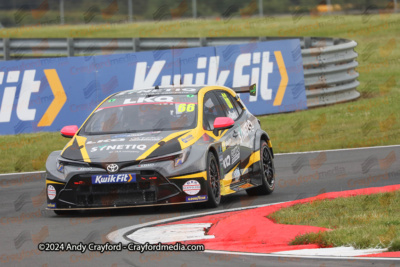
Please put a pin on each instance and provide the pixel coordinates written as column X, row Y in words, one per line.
column 161, row 146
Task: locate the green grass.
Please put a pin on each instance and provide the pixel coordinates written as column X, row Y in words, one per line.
column 371, row 120
column 366, row 221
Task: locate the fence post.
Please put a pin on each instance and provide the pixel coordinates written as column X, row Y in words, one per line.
column 70, row 47
column 194, row 8
column 62, row 12
column 130, row 11
column 260, row 8
column 6, row 49
column 135, row 44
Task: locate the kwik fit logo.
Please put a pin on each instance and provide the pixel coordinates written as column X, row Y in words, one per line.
column 11, row 79
column 259, row 62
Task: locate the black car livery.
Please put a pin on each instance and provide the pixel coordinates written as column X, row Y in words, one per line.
column 161, row 146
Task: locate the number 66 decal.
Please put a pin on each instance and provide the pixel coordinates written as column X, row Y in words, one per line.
column 186, row 107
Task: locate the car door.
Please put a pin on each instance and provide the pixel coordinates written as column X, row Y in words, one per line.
column 228, row 147
column 232, row 142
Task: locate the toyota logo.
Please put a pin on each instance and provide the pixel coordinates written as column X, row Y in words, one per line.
column 112, row 168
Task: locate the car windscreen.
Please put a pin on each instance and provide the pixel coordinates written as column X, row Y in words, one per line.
column 143, row 114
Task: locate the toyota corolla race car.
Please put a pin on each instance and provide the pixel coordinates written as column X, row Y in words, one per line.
column 161, row 146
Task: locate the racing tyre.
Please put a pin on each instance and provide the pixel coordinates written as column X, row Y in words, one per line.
column 213, row 182
column 267, row 172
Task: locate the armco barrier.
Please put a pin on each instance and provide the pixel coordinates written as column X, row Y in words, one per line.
column 329, row 63
column 46, row 94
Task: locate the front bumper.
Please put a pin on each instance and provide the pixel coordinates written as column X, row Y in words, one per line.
column 149, row 188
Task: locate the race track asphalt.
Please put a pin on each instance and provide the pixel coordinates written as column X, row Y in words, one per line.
column 25, row 222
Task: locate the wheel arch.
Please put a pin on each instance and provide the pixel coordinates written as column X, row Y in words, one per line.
column 214, row 151
column 261, row 135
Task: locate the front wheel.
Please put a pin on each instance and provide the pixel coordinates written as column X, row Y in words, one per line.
column 213, row 182
column 267, row 173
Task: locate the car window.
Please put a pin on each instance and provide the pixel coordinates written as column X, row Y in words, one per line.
column 212, row 109
column 143, row 114
column 236, row 104
column 227, row 104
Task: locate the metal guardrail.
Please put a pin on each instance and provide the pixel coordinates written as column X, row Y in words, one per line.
column 329, row 63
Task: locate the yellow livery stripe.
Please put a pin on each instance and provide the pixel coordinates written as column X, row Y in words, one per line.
column 53, row 182
column 194, row 175
column 81, row 143
column 154, row 147
column 254, row 157
column 226, row 183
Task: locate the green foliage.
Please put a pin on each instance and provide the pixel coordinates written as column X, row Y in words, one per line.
column 365, row 221
column 369, row 121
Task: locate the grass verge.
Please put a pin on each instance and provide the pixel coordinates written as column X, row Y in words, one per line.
column 365, row 221
column 371, row 120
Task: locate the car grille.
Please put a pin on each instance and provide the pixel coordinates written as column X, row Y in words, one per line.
column 149, row 188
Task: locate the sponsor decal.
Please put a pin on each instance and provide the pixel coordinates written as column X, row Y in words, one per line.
column 127, row 135
column 145, row 165
column 187, row 138
column 105, row 141
column 85, row 169
column 51, row 192
column 236, row 175
column 235, row 154
column 245, row 129
column 191, row 187
column 228, row 102
column 146, row 138
column 196, row 198
column 114, row 178
column 157, row 91
column 244, row 186
column 223, row 146
column 152, row 99
column 227, row 162
column 51, row 205
column 118, row 147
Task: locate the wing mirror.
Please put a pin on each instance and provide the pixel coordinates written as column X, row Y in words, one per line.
column 69, row 131
column 222, row 123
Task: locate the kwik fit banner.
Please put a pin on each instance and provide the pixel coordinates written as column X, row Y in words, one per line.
column 47, row 94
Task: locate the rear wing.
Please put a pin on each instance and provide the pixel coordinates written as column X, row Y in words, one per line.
column 246, row 89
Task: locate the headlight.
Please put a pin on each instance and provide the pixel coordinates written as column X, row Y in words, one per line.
column 60, row 166
column 61, row 163
column 179, row 157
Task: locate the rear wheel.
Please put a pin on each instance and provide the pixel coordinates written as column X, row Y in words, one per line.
column 213, row 182
column 267, row 172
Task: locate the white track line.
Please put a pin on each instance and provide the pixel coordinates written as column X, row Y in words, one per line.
column 118, row 235
column 333, row 150
column 277, row 154
column 171, row 233
column 20, row 173
column 298, row 256
column 333, row 252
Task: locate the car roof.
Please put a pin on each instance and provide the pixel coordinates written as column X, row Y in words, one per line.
column 168, row 90
column 164, row 90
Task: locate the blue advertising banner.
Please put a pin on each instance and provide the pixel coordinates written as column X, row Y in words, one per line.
column 47, row 94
